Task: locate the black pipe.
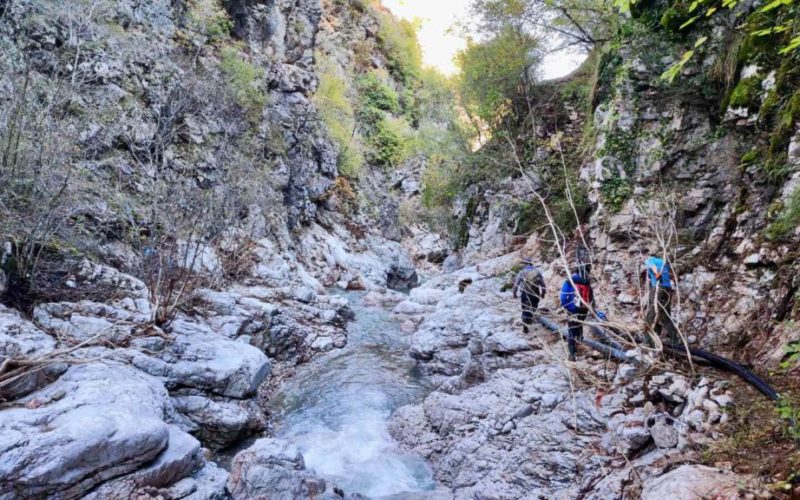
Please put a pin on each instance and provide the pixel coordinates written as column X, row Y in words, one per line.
column 727, row 365
column 614, row 349
column 608, row 350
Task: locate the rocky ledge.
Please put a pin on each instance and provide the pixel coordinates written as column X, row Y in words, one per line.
column 511, row 419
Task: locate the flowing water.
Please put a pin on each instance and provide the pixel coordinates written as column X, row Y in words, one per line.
column 336, row 409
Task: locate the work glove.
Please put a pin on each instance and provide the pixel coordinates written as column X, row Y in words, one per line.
column 601, row 316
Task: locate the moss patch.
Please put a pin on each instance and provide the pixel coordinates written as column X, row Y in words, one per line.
column 746, row 92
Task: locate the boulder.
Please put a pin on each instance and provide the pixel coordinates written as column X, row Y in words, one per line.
column 198, row 358
column 179, row 460
column 219, row 422
column 97, row 422
column 21, row 340
column 696, row 482
column 272, row 469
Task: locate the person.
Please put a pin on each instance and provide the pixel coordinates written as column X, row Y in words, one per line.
column 659, row 297
column 529, row 285
column 577, row 298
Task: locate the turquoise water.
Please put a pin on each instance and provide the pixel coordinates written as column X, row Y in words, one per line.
column 337, row 407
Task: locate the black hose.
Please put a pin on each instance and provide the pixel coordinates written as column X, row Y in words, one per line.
column 608, row 350
column 728, row 365
column 611, row 348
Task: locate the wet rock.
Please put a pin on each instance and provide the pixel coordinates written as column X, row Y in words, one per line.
column 409, row 307
column 272, row 469
column 219, row 422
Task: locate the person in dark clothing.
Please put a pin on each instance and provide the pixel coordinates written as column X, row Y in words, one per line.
column 659, row 298
column 577, row 298
column 529, row 285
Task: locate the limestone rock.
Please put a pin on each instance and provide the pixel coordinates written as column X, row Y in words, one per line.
column 272, row 469
column 217, row 421
column 108, row 421
column 21, row 340
column 695, row 482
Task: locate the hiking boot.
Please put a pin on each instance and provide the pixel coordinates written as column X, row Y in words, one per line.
column 525, row 329
column 572, row 357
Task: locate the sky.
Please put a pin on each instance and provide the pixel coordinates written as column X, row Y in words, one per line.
column 439, row 47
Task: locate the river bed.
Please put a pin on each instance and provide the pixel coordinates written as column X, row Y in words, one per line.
column 336, row 408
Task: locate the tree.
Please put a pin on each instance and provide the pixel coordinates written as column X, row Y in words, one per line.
column 494, row 73
column 584, row 23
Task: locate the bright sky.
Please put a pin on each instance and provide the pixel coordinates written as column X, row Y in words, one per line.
column 439, row 47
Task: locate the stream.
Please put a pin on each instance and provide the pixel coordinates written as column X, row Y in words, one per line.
column 336, row 408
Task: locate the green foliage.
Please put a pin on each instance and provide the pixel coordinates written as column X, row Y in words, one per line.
column 775, row 21
column 439, row 188
column 390, row 142
column 209, row 18
column 674, row 17
column 574, row 22
column 788, row 220
column 398, row 41
column 792, row 359
column 532, row 216
column 620, row 145
column 616, row 191
column 244, row 81
column 750, row 156
column 373, row 93
column 789, row 412
column 673, row 71
column 339, row 118
column 493, row 74
column 746, row 92
column 434, row 98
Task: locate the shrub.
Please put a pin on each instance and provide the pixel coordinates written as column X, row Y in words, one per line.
column 788, row 220
column 745, row 94
column 244, row 81
column 339, row 118
column 390, row 142
column 616, row 191
column 673, row 17
column 373, row 93
column 209, row 18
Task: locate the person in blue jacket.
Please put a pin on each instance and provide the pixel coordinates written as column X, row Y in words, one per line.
column 577, row 298
column 660, row 295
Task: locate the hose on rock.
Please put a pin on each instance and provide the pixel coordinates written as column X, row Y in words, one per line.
column 615, row 350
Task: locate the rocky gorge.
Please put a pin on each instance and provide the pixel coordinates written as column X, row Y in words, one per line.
column 201, row 299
